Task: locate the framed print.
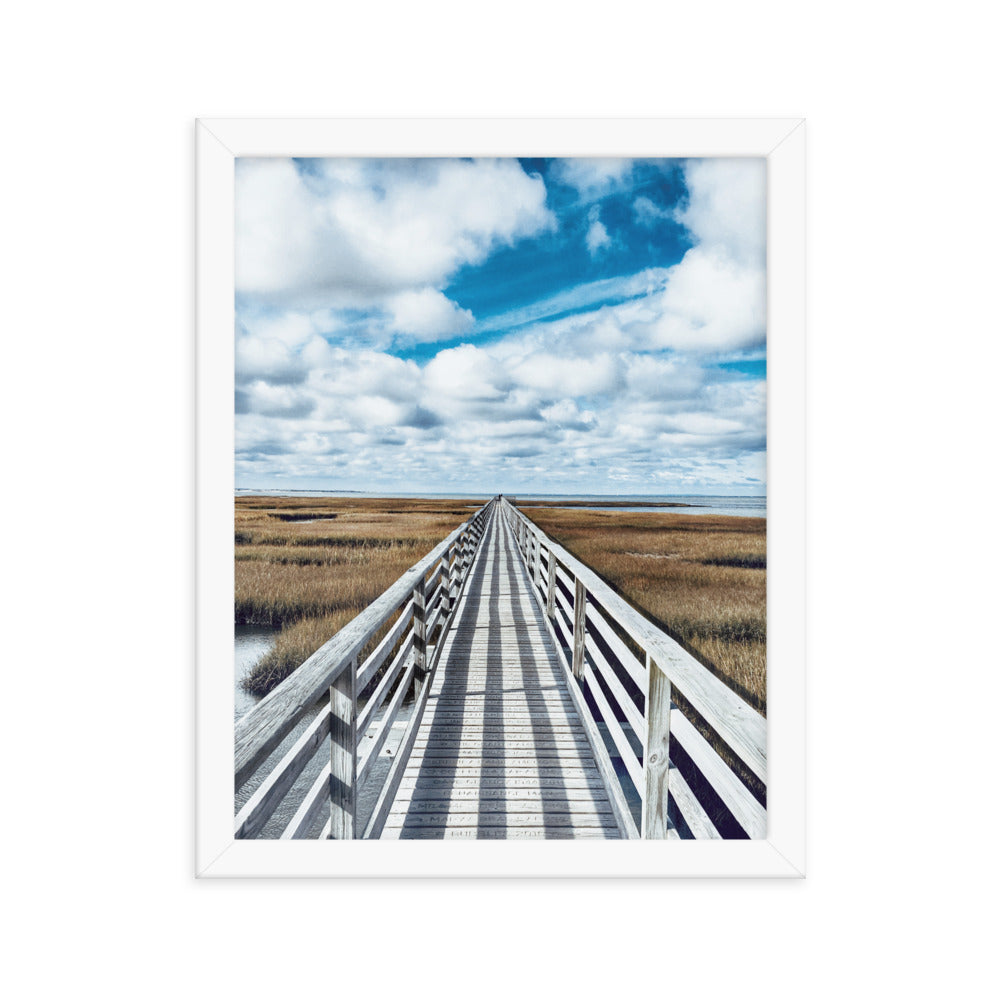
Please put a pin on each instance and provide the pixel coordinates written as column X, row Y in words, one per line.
column 501, row 479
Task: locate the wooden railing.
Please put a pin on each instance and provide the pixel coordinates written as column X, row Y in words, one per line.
column 624, row 675
column 415, row 613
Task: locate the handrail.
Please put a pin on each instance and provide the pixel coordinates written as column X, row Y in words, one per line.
column 426, row 607
column 584, row 615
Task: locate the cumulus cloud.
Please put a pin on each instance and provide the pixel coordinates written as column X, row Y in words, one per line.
column 428, row 315
column 727, row 206
column 465, row 373
column 711, row 303
column 565, row 413
column 567, row 375
column 266, row 358
column 597, row 235
column 347, row 234
column 593, row 177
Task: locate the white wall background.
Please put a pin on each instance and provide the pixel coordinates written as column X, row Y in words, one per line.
column 97, row 218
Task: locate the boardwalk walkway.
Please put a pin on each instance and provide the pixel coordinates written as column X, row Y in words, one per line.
column 501, row 752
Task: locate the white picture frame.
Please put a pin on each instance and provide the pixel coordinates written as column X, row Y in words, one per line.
column 782, row 142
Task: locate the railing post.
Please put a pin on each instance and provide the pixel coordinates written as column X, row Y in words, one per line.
column 446, row 584
column 579, row 627
column 419, row 632
column 550, row 597
column 656, row 753
column 454, row 571
column 538, row 562
column 344, row 753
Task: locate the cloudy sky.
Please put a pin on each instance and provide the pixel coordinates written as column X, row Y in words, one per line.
column 571, row 326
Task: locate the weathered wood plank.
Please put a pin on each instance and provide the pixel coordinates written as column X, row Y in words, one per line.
column 343, row 780
column 624, row 655
column 484, row 743
column 501, row 729
column 550, row 810
column 315, row 802
column 389, row 640
column 484, row 769
column 400, row 660
column 508, row 832
column 590, row 782
column 691, row 810
column 615, row 730
column 604, row 820
column 550, row 794
column 391, row 712
column 513, row 755
column 621, row 696
column 398, row 766
column 579, row 627
column 259, row 808
column 656, row 755
column 749, row 813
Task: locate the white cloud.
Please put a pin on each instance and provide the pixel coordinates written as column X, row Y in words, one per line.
column 266, row 358
column 351, row 233
column 465, row 373
column 727, row 208
column 593, row 177
column 597, row 234
column 648, row 213
column 285, row 401
column 708, row 303
column 427, row 315
column 597, row 238
column 561, row 375
column 565, row 413
column 711, row 303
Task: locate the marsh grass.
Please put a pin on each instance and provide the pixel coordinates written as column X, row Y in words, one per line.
column 701, row 578
column 313, row 572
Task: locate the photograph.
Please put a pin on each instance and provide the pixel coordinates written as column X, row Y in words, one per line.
column 500, row 498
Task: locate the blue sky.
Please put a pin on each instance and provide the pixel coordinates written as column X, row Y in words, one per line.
column 572, row 325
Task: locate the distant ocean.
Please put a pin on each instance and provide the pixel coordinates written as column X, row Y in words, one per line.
column 733, row 506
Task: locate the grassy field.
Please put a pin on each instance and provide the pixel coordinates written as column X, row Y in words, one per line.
column 700, row 577
column 310, row 565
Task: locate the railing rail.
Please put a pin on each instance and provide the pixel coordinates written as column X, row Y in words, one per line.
column 424, row 597
column 682, row 785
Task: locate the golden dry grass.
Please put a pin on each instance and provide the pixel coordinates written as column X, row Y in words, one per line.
column 700, row 577
column 310, row 565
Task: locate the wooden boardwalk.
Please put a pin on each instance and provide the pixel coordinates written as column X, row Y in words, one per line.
column 501, row 751
column 500, row 689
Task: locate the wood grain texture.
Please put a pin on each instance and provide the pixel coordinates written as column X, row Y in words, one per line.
column 344, row 754
column 656, row 755
column 579, row 626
